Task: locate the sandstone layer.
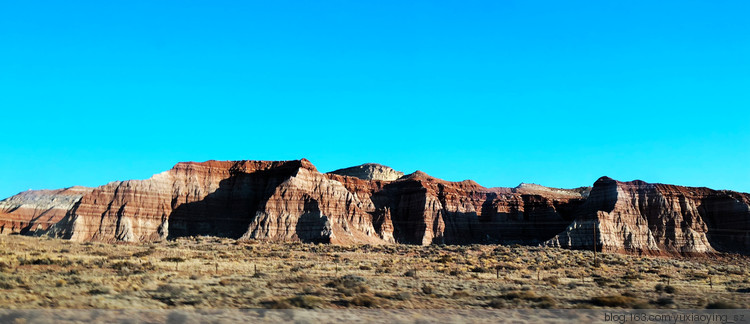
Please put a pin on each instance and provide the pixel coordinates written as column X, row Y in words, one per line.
column 373, row 204
column 645, row 218
column 370, row 171
column 292, row 201
column 37, row 210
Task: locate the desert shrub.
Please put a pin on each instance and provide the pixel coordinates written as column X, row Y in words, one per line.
column 383, row 270
column 699, row 275
column 479, row 269
column 553, row 280
column 100, row 290
column 619, row 285
column 615, row 261
column 411, row 273
column 349, row 285
column 670, row 289
column 572, row 274
column 176, row 260
column 603, row 282
column 308, row 290
column 497, row 303
column 144, row 253
column 125, row 268
column 613, row 301
column 296, row 279
column 99, row 253
column 365, row 267
column 630, row 276
column 721, row 305
column 444, row 259
column 460, row 294
column 276, row 304
column 546, row 302
column 174, row 290
column 456, row 272
column 403, row 295
column 664, row 301
column 280, row 255
column 6, row 284
column 365, row 301
column 76, row 280
column 5, row 266
column 524, row 294
column 508, row 266
column 427, row 289
column 348, row 281
column 174, row 295
column 629, row 294
column 43, row 261
column 305, row 301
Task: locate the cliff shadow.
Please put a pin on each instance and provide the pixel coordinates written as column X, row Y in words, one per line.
column 532, row 222
column 62, row 229
column 404, row 202
column 312, row 226
column 229, row 210
column 728, row 223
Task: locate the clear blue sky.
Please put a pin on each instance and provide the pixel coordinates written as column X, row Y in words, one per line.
column 551, row 92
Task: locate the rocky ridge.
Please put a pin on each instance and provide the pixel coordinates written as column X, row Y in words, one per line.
column 38, row 210
column 370, row 171
column 291, row 201
column 645, row 218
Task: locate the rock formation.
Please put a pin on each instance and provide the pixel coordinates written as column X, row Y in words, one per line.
column 373, row 204
column 644, row 218
column 37, row 210
column 424, row 210
column 370, row 171
column 292, row 201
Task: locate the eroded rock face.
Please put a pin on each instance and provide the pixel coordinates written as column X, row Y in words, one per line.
column 311, row 207
column 425, row 210
column 542, row 190
column 212, row 198
column 37, row 210
column 644, row 218
column 292, row 201
column 370, row 171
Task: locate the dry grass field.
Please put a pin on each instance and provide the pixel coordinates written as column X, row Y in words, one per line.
column 209, row 272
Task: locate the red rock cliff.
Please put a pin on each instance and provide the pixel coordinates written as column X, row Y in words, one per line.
column 35, row 211
column 644, row 218
column 292, row 201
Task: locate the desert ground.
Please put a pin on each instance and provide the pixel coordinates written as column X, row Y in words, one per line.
column 220, row 273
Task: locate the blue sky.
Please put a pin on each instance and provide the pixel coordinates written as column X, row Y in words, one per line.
column 551, row 92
